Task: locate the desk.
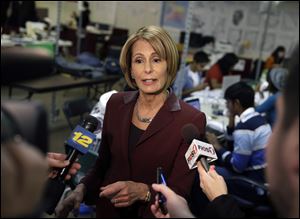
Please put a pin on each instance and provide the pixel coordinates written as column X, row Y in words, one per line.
column 60, row 82
column 214, row 98
column 211, row 100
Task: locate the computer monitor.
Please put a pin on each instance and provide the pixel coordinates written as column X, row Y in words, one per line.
column 229, row 80
column 193, row 101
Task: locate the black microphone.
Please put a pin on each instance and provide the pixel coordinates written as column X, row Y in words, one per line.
column 198, row 150
column 81, row 139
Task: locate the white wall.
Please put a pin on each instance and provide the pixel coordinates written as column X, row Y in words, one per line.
column 135, row 14
column 130, row 15
column 209, row 18
column 216, row 18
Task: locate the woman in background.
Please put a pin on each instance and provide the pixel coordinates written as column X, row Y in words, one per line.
column 214, row 76
column 276, row 58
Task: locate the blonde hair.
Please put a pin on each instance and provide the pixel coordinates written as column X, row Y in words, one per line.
column 163, row 45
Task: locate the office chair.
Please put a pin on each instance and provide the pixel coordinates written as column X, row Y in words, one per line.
column 251, row 196
column 75, row 109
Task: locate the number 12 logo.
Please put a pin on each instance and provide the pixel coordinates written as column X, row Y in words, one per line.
column 81, row 139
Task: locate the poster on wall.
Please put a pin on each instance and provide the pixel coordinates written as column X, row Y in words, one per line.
column 252, row 37
column 237, row 17
column 174, row 14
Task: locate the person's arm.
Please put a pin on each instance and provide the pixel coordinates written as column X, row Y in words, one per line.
column 214, row 186
column 125, row 193
column 197, row 88
column 223, row 206
column 177, row 206
column 238, row 159
column 58, row 160
column 269, row 62
column 211, row 183
column 267, row 105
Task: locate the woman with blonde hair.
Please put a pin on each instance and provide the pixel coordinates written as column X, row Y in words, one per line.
column 141, row 131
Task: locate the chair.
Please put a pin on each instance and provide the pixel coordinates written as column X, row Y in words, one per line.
column 75, row 109
column 252, row 196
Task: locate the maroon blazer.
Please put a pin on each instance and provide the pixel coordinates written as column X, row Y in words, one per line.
column 160, row 145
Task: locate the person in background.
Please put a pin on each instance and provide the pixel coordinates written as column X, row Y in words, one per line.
column 214, row 76
column 135, row 124
column 276, row 58
column 85, row 14
column 276, row 79
column 16, row 14
column 283, row 163
column 192, row 76
column 249, row 136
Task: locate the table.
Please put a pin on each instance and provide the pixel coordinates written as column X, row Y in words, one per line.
column 60, row 82
column 213, row 105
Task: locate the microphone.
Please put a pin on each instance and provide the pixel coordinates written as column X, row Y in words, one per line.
column 198, row 150
column 81, row 139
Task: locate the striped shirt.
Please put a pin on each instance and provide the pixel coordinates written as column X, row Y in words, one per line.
column 250, row 137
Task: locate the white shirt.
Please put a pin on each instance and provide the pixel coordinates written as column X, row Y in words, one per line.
column 194, row 76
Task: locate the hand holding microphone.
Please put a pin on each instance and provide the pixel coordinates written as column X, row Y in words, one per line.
column 211, row 183
column 198, row 150
column 81, row 139
column 58, row 160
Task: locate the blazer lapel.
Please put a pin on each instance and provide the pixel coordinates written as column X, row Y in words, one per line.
column 162, row 119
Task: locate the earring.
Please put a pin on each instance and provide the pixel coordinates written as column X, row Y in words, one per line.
column 132, row 76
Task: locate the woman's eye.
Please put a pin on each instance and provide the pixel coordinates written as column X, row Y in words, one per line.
column 138, row 61
column 157, row 60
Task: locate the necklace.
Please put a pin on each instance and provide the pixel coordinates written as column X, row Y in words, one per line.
column 141, row 119
column 145, row 119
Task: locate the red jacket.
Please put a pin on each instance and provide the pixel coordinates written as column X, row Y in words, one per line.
column 160, row 145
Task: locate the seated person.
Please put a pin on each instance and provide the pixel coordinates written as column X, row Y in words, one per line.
column 214, row 76
column 276, row 78
column 276, row 58
column 249, row 136
column 192, row 76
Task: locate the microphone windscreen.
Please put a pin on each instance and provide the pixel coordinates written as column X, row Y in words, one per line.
column 90, row 123
column 190, row 132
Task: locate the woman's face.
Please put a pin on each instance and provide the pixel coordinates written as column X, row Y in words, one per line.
column 281, row 54
column 147, row 68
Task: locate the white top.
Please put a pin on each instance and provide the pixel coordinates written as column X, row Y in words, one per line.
column 195, row 77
